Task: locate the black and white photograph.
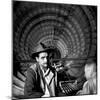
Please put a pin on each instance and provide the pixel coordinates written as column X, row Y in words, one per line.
column 54, row 50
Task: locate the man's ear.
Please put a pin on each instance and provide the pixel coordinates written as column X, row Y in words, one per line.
column 37, row 59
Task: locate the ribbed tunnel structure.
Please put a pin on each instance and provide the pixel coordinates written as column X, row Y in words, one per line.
column 69, row 29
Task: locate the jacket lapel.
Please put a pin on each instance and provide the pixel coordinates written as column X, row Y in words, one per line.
column 41, row 78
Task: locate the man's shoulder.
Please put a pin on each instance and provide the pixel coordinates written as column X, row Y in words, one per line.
column 34, row 66
column 32, row 71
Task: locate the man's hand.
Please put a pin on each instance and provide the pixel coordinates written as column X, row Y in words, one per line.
column 79, row 92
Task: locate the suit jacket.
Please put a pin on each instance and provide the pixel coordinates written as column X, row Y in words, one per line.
column 35, row 83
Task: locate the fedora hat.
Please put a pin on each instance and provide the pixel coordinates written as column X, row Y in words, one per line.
column 40, row 48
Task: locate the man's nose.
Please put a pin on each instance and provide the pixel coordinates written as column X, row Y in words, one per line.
column 45, row 59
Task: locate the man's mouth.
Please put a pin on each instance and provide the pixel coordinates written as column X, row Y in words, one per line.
column 45, row 63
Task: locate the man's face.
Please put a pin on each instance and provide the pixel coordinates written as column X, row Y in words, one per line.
column 42, row 59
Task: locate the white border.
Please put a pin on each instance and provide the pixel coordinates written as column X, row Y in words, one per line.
column 85, row 2
column 6, row 47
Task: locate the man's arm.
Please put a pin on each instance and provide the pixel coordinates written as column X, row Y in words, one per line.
column 29, row 89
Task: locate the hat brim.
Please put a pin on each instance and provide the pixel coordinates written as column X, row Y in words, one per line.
column 36, row 53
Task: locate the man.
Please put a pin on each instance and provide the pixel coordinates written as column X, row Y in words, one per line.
column 41, row 79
